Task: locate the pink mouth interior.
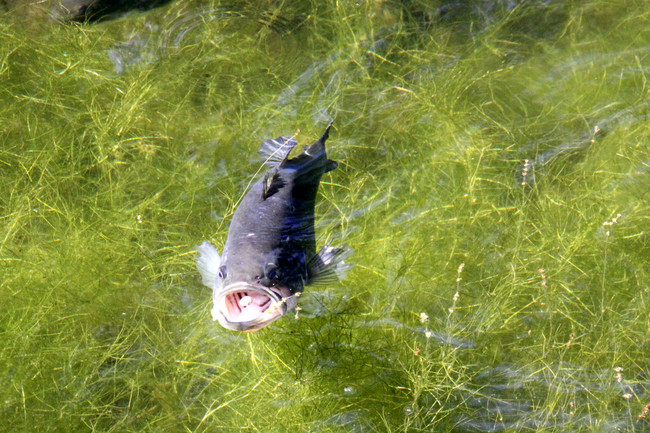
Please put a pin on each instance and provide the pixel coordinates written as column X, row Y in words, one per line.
column 254, row 303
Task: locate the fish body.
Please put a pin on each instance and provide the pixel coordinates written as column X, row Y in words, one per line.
column 270, row 252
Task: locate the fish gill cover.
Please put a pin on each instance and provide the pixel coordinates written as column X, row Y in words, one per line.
column 493, row 181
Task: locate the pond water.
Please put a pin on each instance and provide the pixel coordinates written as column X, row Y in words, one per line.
column 493, row 182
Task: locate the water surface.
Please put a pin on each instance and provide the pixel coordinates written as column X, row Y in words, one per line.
column 493, row 182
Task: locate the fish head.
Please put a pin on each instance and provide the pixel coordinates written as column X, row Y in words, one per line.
column 255, row 287
column 247, row 306
column 241, row 302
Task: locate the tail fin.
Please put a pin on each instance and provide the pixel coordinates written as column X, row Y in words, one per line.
column 313, row 162
column 275, row 152
column 319, row 146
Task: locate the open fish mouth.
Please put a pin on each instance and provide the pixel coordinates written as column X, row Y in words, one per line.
column 248, row 307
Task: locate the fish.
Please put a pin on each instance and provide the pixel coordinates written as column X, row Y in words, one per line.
column 270, row 251
column 97, row 10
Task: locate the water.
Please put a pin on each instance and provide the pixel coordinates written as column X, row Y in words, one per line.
column 486, row 151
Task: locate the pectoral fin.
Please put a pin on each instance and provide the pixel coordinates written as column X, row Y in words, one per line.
column 328, row 266
column 208, row 263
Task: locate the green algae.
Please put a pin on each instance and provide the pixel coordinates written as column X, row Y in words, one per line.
column 499, row 136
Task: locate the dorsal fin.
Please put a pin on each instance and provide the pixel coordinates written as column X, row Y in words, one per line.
column 271, row 183
column 276, row 151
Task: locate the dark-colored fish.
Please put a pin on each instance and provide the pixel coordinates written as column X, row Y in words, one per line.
column 270, row 253
column 98, row 10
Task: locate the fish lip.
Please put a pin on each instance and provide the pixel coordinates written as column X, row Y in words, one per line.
column 280, row 298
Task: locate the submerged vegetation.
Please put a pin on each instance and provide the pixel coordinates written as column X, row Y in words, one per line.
column 493, row 181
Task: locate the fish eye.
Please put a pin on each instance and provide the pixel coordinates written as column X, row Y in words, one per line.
column 272, row 273
column 222, row 272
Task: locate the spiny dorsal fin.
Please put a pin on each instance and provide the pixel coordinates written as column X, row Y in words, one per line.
column 271, row 183
column 328, row 266
column 276, row 151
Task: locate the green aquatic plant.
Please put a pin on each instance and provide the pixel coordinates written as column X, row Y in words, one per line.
column 482, row 145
